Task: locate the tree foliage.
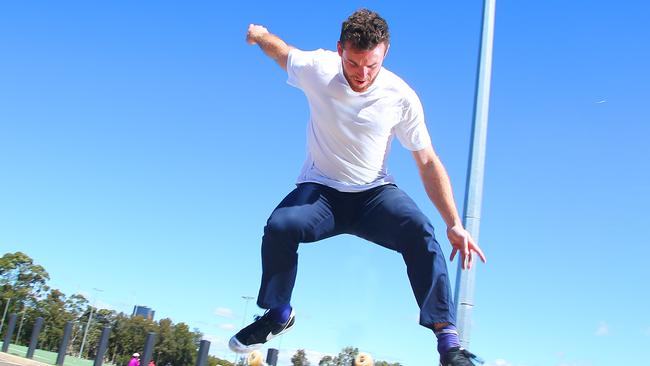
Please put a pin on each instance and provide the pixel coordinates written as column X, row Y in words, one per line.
column 346, row 358
column 21, row 280
column 300, row 358
column 325, row 361
column 24, row 285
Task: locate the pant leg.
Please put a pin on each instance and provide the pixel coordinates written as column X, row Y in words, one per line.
column 305, row 215
column 390, row 218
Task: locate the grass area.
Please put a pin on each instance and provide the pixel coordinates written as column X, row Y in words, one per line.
column 50, row 357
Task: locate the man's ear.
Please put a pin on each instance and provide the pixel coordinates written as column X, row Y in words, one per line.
column 339, row 48
column 387, row 48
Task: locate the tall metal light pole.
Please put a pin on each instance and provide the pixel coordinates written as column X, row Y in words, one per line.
column 4, row 314
column 83, row 340
column 248, row 299
column 464, row 294
column 90, row 318
column 243, row 319
column 20, row 327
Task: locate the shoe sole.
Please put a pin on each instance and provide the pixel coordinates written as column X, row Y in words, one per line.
column 236, row 346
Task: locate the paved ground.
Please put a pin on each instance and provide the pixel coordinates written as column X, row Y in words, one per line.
column 12, row 360
column 2, row 363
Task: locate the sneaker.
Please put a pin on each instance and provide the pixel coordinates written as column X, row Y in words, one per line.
column 459, row 357
column 260, row 331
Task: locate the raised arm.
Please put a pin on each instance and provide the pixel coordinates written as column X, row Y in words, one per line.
column 272, row 45
column 438, row 187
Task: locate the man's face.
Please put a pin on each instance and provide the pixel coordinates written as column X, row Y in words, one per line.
column 361, row 67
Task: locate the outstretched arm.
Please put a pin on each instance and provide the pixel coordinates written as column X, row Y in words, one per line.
column 272, row 45
column 438, row 187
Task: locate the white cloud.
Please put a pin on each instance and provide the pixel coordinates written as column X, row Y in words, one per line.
column 227, row 326
column 215, row 340
column 602, row 330
column 224, row 312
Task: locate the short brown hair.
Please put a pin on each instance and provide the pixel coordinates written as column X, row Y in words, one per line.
column 364, row 29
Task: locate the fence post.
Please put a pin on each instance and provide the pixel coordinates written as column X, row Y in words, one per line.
column 38, row 325
column 202, row 357
column 63, row 347
column 272, row 357
column 148, row 349
column 10, row 332
column 103, row 343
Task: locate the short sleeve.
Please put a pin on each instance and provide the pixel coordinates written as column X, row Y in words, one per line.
column 298, row 63
column 412, row 130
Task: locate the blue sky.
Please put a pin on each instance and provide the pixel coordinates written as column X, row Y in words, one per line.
column 143, row 145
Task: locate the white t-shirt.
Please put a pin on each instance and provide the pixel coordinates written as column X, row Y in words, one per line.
column 349, row 133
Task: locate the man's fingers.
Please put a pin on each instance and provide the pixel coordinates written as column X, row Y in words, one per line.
column 453, row 255
column 467, row 256
column 249, row 39
column 467, row 251
column 477, row 249
column 480, row 254
column 463, row 242
column 253, row 29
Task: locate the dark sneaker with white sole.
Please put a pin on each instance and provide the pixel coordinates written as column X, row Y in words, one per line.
column 459, row 357
column 262, row 330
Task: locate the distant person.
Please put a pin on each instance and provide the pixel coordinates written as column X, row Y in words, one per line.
column 356, row 109
column 135, row 360
column 151, row 363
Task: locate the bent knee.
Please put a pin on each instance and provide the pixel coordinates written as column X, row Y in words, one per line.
column 282, row 222
column 418, row 235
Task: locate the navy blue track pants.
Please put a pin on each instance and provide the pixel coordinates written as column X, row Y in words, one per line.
column 384, row 215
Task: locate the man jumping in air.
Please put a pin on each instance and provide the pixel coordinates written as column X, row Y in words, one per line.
column 357, row 107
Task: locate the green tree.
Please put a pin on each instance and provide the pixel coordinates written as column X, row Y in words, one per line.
column 166, row 346
column 76, row 305
column 25, row 322
column 25, row 283
column 120, row 342
column 101, row 318
column 326, row 361
column 21, row 280
column 131, row 333
column 186, row 345
column 216, row 361
column 344, row 358
column 53, row 310
column 300, row 358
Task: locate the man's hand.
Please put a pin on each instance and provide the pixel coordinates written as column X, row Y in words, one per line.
column 255, row 32
column 461, row 241
column 272, row 45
